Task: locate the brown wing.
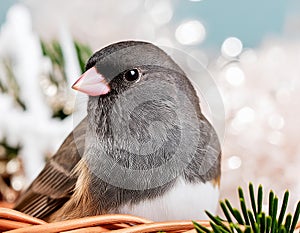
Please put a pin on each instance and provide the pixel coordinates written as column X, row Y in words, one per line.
column 55, row 184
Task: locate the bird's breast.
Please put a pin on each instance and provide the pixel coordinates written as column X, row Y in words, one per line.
column 184, row 201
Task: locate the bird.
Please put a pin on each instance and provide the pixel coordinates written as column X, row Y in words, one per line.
column 144, row 148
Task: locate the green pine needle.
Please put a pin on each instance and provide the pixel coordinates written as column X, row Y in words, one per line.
column 229, row 206
column 259, row 199
column 236, row 228
column 252, row 199
column 283, row 207
column 225, row 211
column 274, row 213
column 288, row 221
column 83, row 54
column 248, row 230
column 282, row 229
column 268, row 225
column 217, row 221
column 218, row 229
column 244, row 211
column 271, row 199
column 295, row 218
column 253, row 220
column 238, row 216
column 262, row 222
column 199, row 228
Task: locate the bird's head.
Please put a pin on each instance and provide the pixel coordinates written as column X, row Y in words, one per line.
column 121, row 65
column 135, row 75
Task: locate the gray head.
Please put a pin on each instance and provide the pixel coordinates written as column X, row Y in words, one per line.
column 122, row 56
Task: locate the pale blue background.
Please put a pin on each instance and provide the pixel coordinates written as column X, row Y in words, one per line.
column 249, row 20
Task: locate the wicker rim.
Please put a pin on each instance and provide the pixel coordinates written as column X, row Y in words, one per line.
column 12, row 221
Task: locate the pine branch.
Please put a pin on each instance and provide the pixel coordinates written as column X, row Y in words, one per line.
column 83, row 54
column 254, row 220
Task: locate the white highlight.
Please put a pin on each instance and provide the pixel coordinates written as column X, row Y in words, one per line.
column 232, row 47
column 246, row 114
column 191, row 32
column 161, row 12
column 234, row 162
column 234, row 75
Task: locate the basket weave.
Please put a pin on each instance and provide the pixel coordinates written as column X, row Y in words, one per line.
column 12, row 221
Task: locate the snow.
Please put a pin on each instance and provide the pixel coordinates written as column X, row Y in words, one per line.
column 34, row 129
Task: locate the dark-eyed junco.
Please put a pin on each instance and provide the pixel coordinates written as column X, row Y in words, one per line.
column 144, row 147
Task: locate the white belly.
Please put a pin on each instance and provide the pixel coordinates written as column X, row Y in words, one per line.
column 185, row 201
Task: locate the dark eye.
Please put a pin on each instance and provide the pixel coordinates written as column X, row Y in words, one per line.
column 132, row 75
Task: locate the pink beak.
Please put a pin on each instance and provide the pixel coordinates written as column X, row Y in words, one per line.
column 92, row 83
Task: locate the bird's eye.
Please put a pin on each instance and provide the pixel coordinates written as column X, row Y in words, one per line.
column 132, row 75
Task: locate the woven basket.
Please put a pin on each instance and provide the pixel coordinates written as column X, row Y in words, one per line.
column 16, row 222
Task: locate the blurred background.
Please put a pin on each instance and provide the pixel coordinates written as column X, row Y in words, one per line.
column 251, row 49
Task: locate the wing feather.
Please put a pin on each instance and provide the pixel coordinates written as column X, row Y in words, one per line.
column 55, row 184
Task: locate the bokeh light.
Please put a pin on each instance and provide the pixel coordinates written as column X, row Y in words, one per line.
column 276, row 121
column 234, row 162
column 191, row 32
column 160, row 11
column 234, row 75
column 232, row 47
